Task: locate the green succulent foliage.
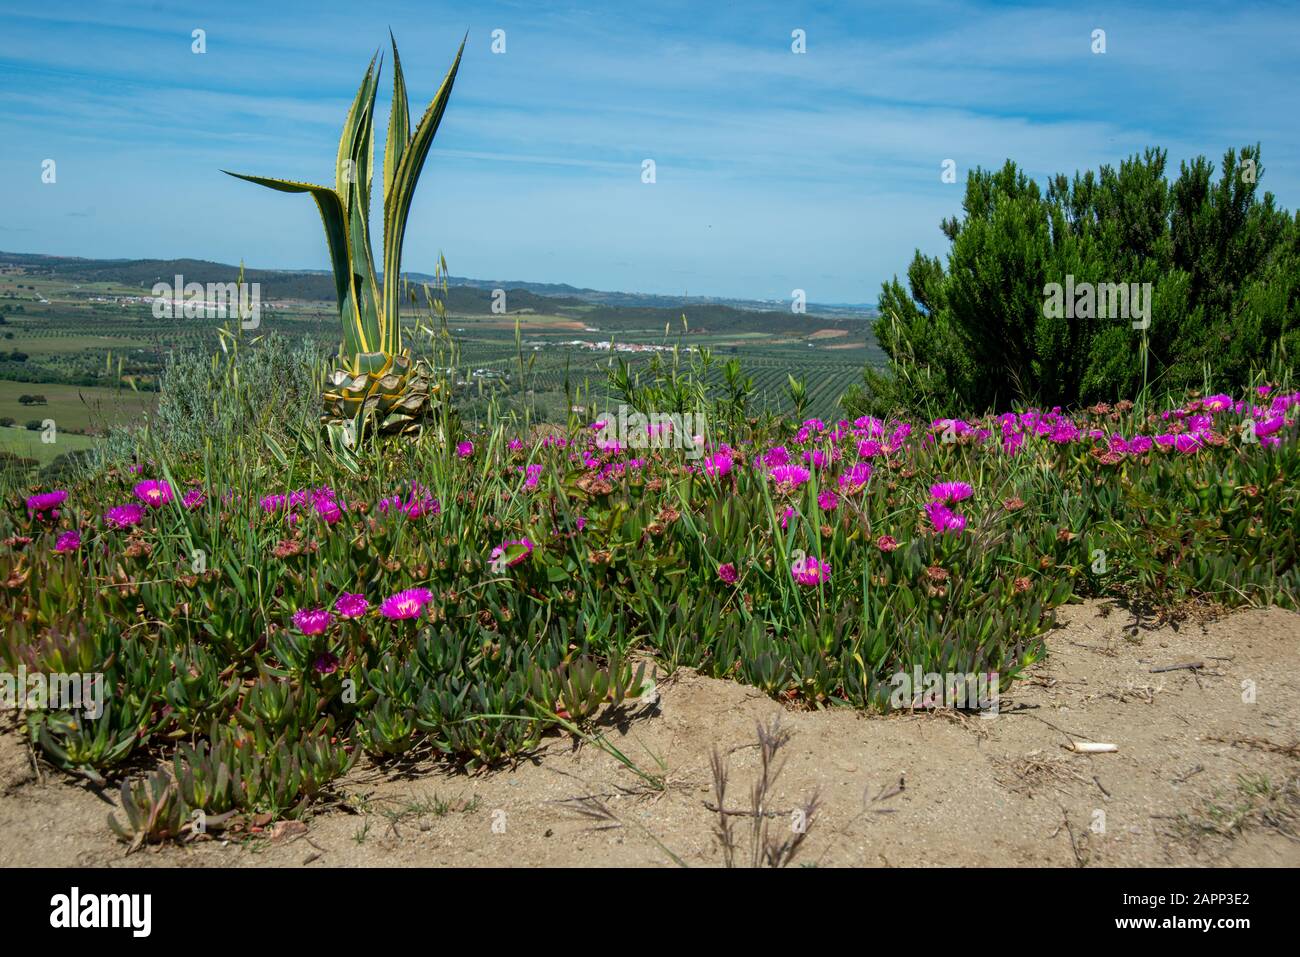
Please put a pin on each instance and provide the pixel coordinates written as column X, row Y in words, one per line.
column 154, row 811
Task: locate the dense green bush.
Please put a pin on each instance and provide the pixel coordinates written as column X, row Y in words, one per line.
column 1223, row 264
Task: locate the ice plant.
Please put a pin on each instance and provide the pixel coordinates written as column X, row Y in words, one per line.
column 311, row 621
column 38, row 505
column 943, row 518
column 124, row 516
column 67, row 542
column 512, row 552
column 153, row 492
column 727, row 573
column 789, row 477
column 377, row 377
column 350, row 605
column 406, row 604
column 810, row 571
column 949, row 492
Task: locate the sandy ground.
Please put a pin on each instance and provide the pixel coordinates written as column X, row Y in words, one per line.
column 1201, row 777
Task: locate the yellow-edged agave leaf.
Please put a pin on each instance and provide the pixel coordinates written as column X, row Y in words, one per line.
column 349, row 168
column 397, row 205
column 377, row 378
column 353, row 174
column 399, row 128
column 336, row 237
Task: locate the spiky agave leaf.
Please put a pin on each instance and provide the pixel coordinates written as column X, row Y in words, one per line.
column 377, row 378
column 397, row 203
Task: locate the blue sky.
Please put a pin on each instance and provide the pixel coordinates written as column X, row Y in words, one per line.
column 775, row 170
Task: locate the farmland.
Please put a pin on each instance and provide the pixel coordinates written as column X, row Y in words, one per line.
column 89, row 342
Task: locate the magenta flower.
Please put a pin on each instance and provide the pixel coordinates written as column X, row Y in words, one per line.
column 465, row 449
column 153, row 492
column 949, row 492
column 501, row 550
column 827, row 500
column 727, row 572
column 312, row 621
column 1269, row 426
column 855, row 478
column 326, row 507
column 406, row 604
column 193, row 498
column 717, row 464
column 944, row 519
column 326, row 664
column 810, row 571
column 68, row 542
column 124, row 516
column 886, row 543
column 38, row 505
column 350, row 605
column 789, row 476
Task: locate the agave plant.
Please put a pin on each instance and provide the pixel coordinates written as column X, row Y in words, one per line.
column 377, row 378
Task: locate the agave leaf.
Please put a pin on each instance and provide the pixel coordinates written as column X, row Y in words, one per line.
column 336, row 235
column 397, row 204
column 349, row 166
column 399, row 126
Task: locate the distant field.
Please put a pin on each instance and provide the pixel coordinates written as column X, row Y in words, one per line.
column 73, row 406
column 67, row 338
column 28, row 445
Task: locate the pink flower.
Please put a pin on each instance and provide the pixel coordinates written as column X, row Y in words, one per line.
column 855, row 478
column 789, row 476
column 153, row 492
column 1269, row 426
column 38, row 505
column 788, row 514
column 406, row 604
column 810, row 571
column 312, row 621
column 193, row 498
column 465, row 449
column 350, row 605
column 717, row 464
column 326, row 664
column 886, row 543
column 944, row 519
column 68, row 542
column 949, row 492
column 827, row 500
column 727, row 572
column 502, row 550
column 124, row 516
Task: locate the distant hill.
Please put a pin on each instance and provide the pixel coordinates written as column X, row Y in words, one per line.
column 468, row 296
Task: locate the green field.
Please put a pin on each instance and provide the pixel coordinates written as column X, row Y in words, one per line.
column 80, row 352
column 28, row 445
column 74, row 407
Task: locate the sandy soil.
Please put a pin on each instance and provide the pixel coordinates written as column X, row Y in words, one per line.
column 1201, row 777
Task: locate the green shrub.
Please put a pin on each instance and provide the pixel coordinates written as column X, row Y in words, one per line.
column 1223, row 263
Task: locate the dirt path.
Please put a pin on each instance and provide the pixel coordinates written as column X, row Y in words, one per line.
column 1201, row 776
